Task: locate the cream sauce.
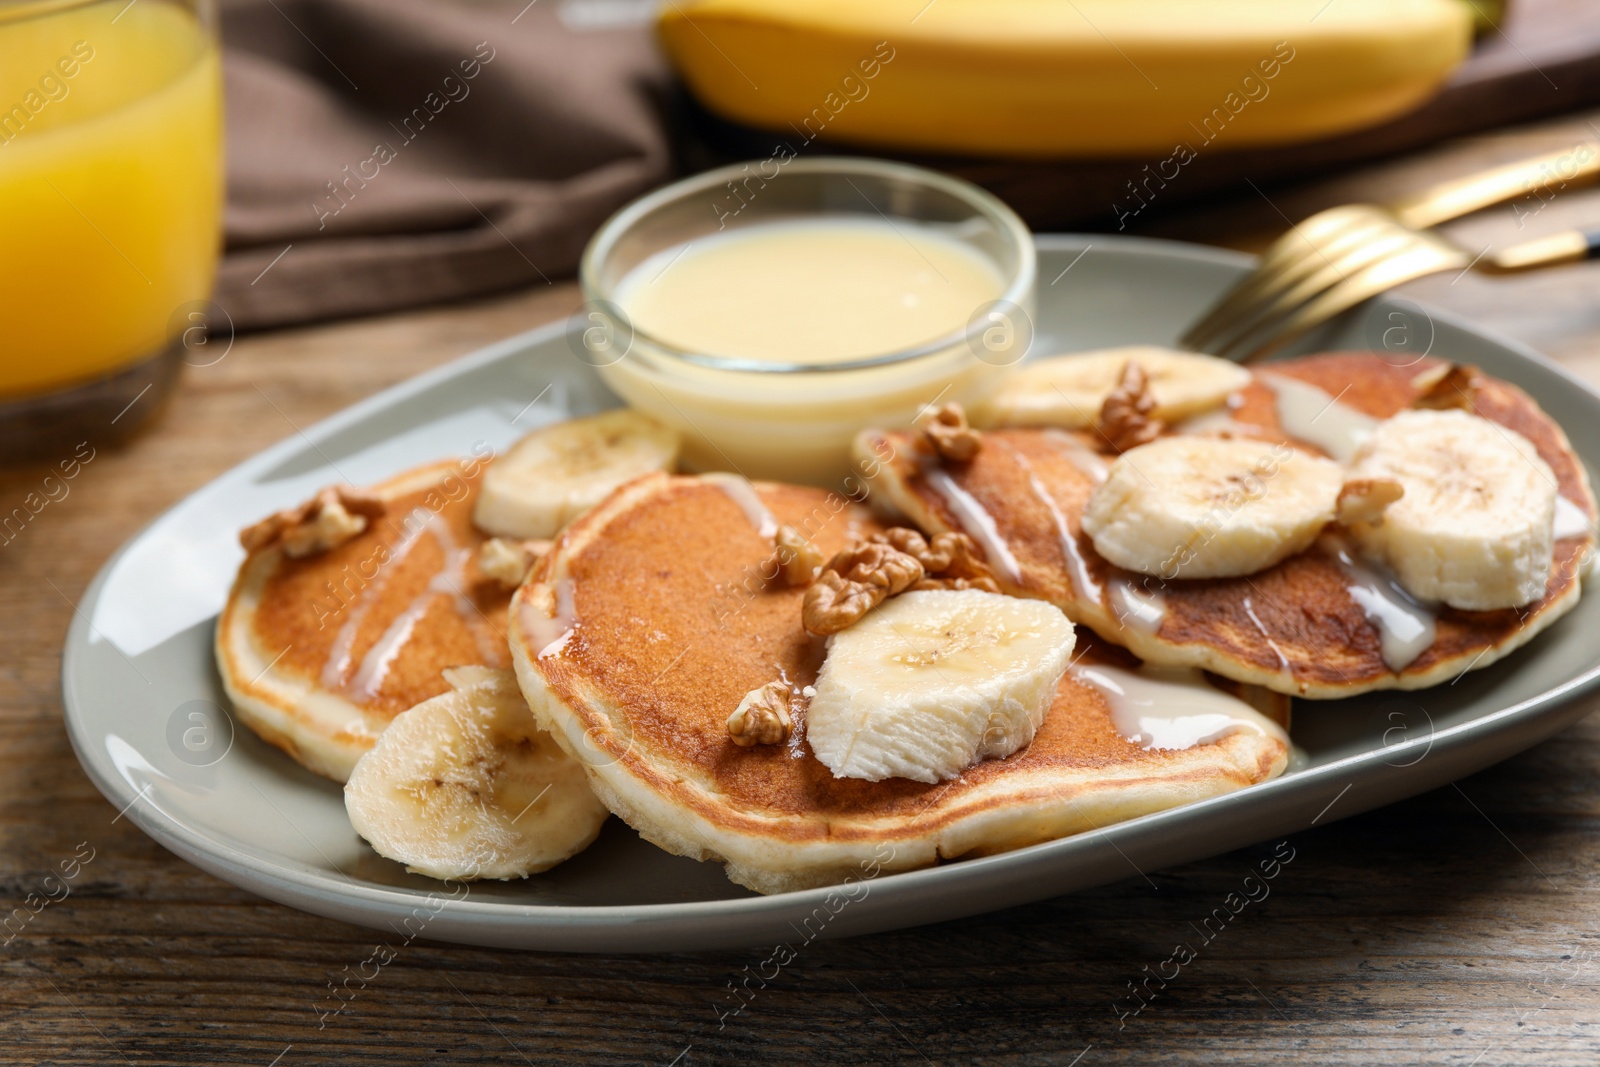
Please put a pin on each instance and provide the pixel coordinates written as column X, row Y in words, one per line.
column 825, row 289
column 1218, row 423
column 340, row 655
column 1283, row 660
column 1571, row 520
column 742, row 493
column 1137, row 609
column 550, row 635
column 1406, row 626
column 1207, row 422
column 975, row 521
column 1089, row 462
column 449, row 581
column 1318, row 418
column 1173, row 708
column 1082, row 578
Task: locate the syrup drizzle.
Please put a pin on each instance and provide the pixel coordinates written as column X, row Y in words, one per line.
column 1137, row 609
column 450, row 580
column 1406, row 625
column 1077, row 565
column 1283, row 660
column 1571, row 520
column 1089, row 462
column 550, row 635
column 975, row 521
column 742, row 493
column 1309, row 414
column 1173, row 708
column 375, row 665
column 1207, row 422
column 337, row 665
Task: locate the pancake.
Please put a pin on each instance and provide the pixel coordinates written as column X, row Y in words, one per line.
column 650, row 619
column 1295, row 627
column 319, row 653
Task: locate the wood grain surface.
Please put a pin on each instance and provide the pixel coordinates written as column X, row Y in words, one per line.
column 1461, row 927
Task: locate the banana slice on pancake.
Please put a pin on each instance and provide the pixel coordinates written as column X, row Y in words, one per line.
column 1475, row 526
column 1200, row 507
column 467, row 786
column 560, row 471
column 1067, row 391
column 931, row 682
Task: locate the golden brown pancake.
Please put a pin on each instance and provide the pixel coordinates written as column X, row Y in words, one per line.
column 1293, row 627
column 638, row 635
column 320, row 653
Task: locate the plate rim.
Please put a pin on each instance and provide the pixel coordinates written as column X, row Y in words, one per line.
column 366, row 903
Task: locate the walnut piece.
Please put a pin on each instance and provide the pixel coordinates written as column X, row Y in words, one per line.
column 507, row 562
column 869, row 572
column 854, row 582
column 832, row 604
column 326, row 521
column 878, row 565
column 798, row 559
column 1127, row 415
column 1364, row 500
column 1455, row 385
column 949, row 555
column 762, row 717
column 947, row 431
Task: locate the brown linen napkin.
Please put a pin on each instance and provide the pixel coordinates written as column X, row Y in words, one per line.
column 388, row 153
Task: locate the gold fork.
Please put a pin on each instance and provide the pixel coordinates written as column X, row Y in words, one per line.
column 1340, row 257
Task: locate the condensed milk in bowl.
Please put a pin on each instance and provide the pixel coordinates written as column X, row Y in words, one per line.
column 770, row 311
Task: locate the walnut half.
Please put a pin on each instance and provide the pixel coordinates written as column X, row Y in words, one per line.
column 326, row 521
column 762, row 717
column 948, row 433
column 950, row 556
column 854, row 582
column 1127, row 417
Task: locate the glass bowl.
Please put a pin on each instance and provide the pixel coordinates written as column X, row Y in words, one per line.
column 794, row 421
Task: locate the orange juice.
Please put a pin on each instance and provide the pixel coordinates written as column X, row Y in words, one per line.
column 110, row 185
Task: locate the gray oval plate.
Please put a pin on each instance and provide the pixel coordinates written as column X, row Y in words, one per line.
column 144, row 705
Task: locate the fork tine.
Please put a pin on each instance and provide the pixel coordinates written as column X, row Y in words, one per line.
column 1374, row 245
column 1285, row 254
column 1268, row 334
column 1244, row 304
column 1429, row 256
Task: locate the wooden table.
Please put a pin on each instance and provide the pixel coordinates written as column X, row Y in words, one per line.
column 1461, row 927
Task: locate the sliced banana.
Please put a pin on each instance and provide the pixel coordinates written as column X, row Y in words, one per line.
column 1202, row 507
column 1474, row 528
column 1067, row 391
column 556, row 473
column 933, row 681
column 466, row 786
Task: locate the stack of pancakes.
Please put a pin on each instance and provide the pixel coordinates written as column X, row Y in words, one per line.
column 1293, row 627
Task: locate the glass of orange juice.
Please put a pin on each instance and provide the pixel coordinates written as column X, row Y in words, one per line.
column 110, row 210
